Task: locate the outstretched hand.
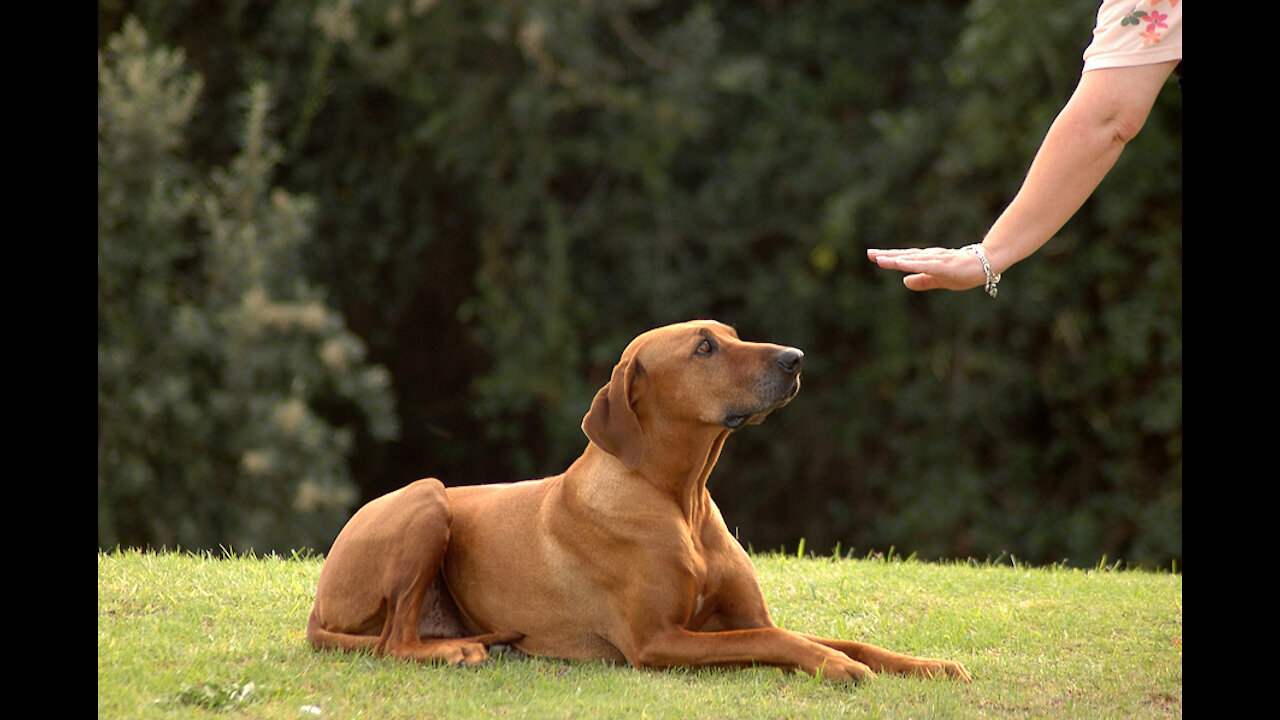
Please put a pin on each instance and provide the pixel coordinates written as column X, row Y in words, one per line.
column 933, row 268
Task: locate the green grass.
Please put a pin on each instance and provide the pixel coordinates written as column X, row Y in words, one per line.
column 194, row 636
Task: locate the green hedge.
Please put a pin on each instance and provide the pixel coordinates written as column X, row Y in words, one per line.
column 502, row 194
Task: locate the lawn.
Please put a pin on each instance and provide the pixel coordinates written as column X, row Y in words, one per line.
column 190, row 635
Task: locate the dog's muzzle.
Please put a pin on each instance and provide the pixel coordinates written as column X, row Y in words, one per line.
column 774, row 388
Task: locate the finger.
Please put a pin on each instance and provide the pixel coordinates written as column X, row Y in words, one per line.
column 894, row 260
column 914, row 263
column 881, row 255
column 913, row 259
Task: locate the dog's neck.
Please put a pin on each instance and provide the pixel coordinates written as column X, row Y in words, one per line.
column 679, row 475
column 694, row 489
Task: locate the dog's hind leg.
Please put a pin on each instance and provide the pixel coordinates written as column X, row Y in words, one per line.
column 383, row 572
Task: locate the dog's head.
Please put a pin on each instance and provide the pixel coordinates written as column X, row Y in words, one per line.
column 696, row 375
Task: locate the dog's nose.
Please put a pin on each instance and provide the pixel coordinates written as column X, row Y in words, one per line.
column 789, row 360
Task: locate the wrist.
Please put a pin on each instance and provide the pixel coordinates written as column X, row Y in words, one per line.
column 992, row 277
column 999, row 255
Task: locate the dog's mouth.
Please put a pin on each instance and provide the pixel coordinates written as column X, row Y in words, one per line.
column 737, row 418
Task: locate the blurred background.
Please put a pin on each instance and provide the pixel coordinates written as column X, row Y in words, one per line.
column 344, row 244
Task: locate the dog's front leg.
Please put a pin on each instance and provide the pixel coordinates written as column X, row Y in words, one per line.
column 678, row 647
column 881, row 660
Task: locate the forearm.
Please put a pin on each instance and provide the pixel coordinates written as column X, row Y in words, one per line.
column 1108, row 109
column 1069, row 166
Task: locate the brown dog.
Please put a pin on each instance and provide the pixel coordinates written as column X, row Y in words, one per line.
column 624, row 557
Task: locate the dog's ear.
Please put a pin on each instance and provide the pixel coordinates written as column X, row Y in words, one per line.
column 612, row 423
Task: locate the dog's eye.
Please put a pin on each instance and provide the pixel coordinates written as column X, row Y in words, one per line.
column 706, row 347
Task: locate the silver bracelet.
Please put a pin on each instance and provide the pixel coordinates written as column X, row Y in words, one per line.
column 986, row 267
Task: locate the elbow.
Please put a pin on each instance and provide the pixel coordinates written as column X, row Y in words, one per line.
column 1115, row 103
column 1125, row 124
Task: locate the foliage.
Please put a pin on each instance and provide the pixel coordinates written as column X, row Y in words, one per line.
column 509, row 191
column 220, row 371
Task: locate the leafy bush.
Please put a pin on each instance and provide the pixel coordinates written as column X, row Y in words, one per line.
column 509, row 192
column 220, row 372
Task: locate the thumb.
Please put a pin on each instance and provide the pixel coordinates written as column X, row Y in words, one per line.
column 921, row 281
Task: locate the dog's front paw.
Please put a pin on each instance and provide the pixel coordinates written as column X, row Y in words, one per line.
column 930, row 667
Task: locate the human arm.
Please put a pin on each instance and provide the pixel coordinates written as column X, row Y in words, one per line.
column 1106, row 111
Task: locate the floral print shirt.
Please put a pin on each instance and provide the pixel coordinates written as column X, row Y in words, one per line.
column 1135, row 32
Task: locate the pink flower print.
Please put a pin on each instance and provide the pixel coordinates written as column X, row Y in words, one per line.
column 1156, row 21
